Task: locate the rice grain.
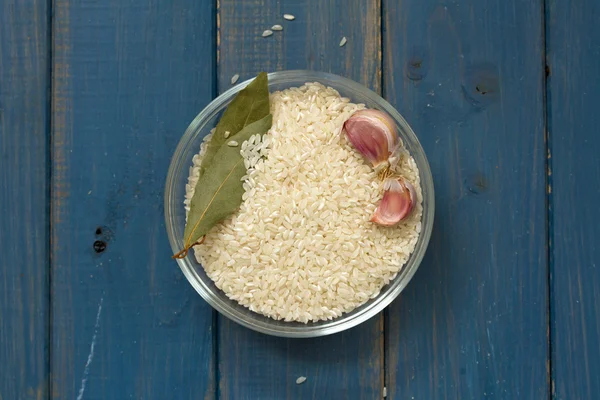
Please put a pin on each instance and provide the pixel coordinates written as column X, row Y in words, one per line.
column 301, row 379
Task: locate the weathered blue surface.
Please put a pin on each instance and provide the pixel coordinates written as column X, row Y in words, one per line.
column 344, row 366
column 82, row 228
column 24, row 134
column 574, row 186
column 469, row 78
column 129, row 76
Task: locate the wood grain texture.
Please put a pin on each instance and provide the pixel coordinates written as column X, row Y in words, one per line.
column 347, row 365
column 573, row 86
column 129, row 76
column 469, row 78
column 23, row 199
column 311, row 41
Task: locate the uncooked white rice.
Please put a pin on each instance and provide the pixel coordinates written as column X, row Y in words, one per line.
column 267, row 33
column 300, row 379
column 301, row 246
column 277, row 28
column 289, row 17
column 343, row 41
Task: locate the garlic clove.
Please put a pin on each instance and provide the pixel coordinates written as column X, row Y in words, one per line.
column 398, row 201
column 373, row 133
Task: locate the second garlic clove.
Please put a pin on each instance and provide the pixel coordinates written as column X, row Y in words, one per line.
column 373, row 133
column 398, row 201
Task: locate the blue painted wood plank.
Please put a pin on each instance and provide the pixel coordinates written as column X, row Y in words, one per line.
column 347, row 365
column 574, row 186
column 469, row 78
column 24, row 133
column 129, row 76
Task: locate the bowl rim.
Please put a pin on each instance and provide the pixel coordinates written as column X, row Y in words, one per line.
column 346, row 320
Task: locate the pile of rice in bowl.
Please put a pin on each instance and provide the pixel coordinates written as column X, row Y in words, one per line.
column 301, row 246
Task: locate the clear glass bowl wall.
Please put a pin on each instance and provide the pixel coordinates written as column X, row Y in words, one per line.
column 175, row 212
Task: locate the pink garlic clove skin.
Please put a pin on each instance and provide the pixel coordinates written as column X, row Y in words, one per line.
column 397, row 203
column 373, row 133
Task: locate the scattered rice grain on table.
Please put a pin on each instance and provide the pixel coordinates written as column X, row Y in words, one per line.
column 301, row 246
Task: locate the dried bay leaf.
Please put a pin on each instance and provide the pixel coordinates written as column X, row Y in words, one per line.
column 219, row 190
column 250, row 105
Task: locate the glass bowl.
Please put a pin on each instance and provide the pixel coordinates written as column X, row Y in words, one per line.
column 177, row 176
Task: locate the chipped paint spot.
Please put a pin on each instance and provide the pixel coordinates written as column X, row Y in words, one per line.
column 86, row 370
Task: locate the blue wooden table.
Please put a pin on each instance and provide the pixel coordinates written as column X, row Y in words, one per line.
column 94, row 96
